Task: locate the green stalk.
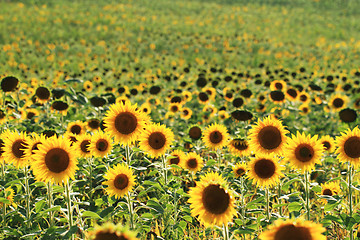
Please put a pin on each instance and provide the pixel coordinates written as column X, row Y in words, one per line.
column 50, row 201
column 127, row 155
column 164, row 168
column 27, row 192
column 4, row 215
column 90, row 160
column 226, row 232
column 350, row 170
column 68, row 200
column 307, row 195
column 267, row 203
column 3, row 170
column 131, row 211
column 279, row 200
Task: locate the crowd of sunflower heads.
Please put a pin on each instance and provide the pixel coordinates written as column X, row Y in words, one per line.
column 54, row 160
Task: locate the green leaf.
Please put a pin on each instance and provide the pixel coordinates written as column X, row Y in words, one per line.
column 155, row 205
column 39, row 206
column 106, row 211
column 147, row 216
column 294, row 207
column 90, row 214
column 4, row 200
column 187, row 218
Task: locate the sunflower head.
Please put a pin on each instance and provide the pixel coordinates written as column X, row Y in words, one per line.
column 110, row 231
column 212, row 200
column 348, row 146
column 193, row 162
column 176, row 157
column 15, row 145
column 239, row 169
column 100, row 144
column 330, row 189
column 33, row 144
column 239, row 147
column 328, row 143
column 215, row 136
column 195, row 132
column 338, row 102
column 76, row 128
column 82, row 146
column 8, row 193
column 120, row 180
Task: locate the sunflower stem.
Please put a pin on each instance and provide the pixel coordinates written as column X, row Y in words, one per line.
column 164, row 168
column 127, row 155
column 90, row 160
column 3, row 170
column 267, row 203
column 350, row 197
column 279, row 200
column 68, row 199
column 307, row 193
column 130, row 211
column 27, row 192
column 4, row 215
column 50, row 200
column 226, row 232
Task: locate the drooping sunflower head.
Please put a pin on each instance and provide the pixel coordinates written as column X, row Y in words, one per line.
column 14, row 148
column 348, row 146
column 303, row 151
column 156, row 139
column 82, row 146
column 239, row 169
column 193, row 162
column 55, row 161
column 212, row 201
column 239, row 147
column 125, row 122
column 215, row 136
column 33, row 144
column 100, row 144
column 109, row 231
column 268, row 136
column 293, row 229
column 176, row 157
column 120, row 180
column 76, row 128
column 264, row 170
column 328, row 143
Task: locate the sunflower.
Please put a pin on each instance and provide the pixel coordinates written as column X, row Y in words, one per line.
column 293, row 229
column 93, row 124
column 239, row 169
column 30, row 114
column 195, row 132
column 33, row 144
column 42, row 94
column 330, row 189
column 82, row 146
column 176, row 157
column 264, row 170
column 304, row 109
column 291, row 94
column 100, row 144
column 110, row 231
column 120, row 180
column 55, row 161
column 278, row 85
column 328, row 143
column 76, row 128
column 193, row 162
column 14, row 148
column 304, row 98
column 215, row 136
column 277, row 96
column 303, row 152
column 186, row 113
column 212, row 200
column 338, row 102
column 124, row 122
column 175, row 107
column 348, row 146
column 88, row 86
column 268, row 136
column 156, row 139
column 223, row 115
column 239, row 147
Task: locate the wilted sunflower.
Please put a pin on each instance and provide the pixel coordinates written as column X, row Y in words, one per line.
column 303, row 152
column 264, row 170
column 76, row 128
column 82, row 146
column 55, row 161
column 33, row 143
column 215, row 136
column 328, row 143
column 124, row 122
column 109, row 231
column 156, row 139
column 100, row 144
column 296, row 229
column 14, row 148
column 120, row 180
column 239, row 169
column 212, row 200
column 176, row 157
column 268, row 136
column 239, row 147
column 348, row 147
column 193, row 162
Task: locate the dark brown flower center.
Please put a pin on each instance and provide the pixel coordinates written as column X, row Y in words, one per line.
column 240, row 171
column 126, row 123
column 352, row 147
column 327, row 145
column 277, row 96
column 94, row 123
column 264, row 168
column 327, row 192
column 43, row 93
column 121, row 181
column 269, row 137
column 175, row 160
column 195, row 133
column 35, row 147
column 109, row 236
column 215, row 199
column 17, row 148
column 30, row 115
column 157, row 140
column 239, row 145
column 57, row 160
column 102, row 145
column 192, row 163
column 304, row 152
column 338, row 102
column 84, row 146
column 216, row 137
column 76, row 129
column 289, row 231
column 278, row 86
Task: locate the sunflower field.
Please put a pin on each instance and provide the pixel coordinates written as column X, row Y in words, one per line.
column 180, row 119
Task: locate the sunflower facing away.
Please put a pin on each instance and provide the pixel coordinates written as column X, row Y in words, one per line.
column 55, row 161
column 124, row 122
column 82, row 146
column 268, row 136
column 100, row 144
column 239, row 147
column 293, row 230
column 14, row 148
column 348, row 146
column 303, row 152
column 215, row 136
column 264, row 170
column 193, row 162
column 212, row 200
column 156, row 139
column 239, row 169
column 120, row 180
column 109, row 231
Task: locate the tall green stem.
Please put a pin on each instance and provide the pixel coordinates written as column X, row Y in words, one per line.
column 50, row 201
column 27, row 192
column 68, row 199
column 3, row 170
column 279, row 200
column 267, row 203
column 164, row 168
column 127, row 155
column 226, row 232
column 307, row 195
column 131, row 211
column 350, row 170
